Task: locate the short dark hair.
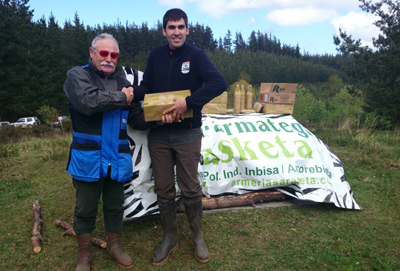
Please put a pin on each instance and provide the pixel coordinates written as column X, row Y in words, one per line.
column 174, row 15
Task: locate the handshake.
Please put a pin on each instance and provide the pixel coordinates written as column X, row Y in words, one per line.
column 129, row 94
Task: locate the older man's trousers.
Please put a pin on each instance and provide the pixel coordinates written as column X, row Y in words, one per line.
column 88, row 195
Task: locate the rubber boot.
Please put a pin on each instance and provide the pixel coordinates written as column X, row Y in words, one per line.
column 84, row 251
column 115, row 252
column 169, row 242
column 194, row 214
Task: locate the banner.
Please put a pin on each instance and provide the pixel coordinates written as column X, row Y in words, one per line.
column 243, row 153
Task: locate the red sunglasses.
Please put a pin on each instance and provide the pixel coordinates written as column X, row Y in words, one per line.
column 105, row 53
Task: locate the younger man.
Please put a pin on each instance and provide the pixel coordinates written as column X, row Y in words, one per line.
column 171, row 67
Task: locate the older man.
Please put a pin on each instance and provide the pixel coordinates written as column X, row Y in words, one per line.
column 100, row 160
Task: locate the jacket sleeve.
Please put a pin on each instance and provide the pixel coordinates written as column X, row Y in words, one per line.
column 136, row 118
column 87, row 98
column 215, row 83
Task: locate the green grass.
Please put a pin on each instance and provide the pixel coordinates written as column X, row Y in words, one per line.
column 304, row 237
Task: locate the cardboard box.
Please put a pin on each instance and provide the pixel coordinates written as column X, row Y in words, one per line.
column 257, row 107
column 214, row 108
column 269, row 108
column 278, row 98
column 278, row 88
column 216, row 105
column 155, row 104
column 221, row 99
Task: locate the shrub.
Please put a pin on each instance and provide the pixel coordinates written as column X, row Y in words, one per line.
column 303, row 105
column 67, row 126
column 10, row 134
column 48, row 113
column 41, row 131
column 345, row 106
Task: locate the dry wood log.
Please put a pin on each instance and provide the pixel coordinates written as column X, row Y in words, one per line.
column 37, row 225
column 233, row 201
column 70, row 231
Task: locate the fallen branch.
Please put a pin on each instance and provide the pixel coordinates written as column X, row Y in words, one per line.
column 37, row 224
column 234, row 201
column 70, row 231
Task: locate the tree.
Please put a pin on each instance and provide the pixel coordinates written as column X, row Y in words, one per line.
column 244, row 76
column 261, row 42
column 382, row 66
column 15, row 41
column 334, row 82
column 345, row 107
column 304, row 104
column 47, row 113
column 240, row 44
column 208, row 39
column 253, row 42
column 297, row 51
column 220, row 44
column 228, row 42
column 195, row 36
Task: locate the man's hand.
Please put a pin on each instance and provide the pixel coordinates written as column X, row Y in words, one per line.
column 177, row 110
column 166, row 119
column 129, row 94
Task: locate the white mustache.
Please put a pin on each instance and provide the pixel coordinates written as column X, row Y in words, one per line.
column 105, row 63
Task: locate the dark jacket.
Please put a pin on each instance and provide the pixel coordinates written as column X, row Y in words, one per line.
column 187, row 67
column 99, row 118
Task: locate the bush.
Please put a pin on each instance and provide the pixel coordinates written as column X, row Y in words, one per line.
column 303, row 105
column 41, row 130
column 67, row 126
column 11, row 134
column 345, row 106
column 48, row 113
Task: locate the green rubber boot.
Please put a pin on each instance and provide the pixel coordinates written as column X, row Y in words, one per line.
column 194, row 214
column 169, row 242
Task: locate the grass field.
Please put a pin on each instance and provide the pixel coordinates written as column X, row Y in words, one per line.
column 309, row 237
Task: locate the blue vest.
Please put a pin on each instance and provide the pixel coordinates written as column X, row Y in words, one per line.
column 100, row 141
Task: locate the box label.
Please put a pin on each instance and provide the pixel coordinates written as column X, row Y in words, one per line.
column 278, row 88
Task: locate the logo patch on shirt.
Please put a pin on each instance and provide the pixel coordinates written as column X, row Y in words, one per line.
column 124, row 121
column 185, row 67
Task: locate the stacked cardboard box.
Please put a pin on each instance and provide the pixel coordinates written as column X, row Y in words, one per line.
column 257, row 107
column 277, row 98
column 155, row 104
column 216, row 105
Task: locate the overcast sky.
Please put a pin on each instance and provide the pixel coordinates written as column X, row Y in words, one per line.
column 309, row 23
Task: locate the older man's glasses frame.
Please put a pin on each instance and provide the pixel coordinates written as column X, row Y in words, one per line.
column 104, row 53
